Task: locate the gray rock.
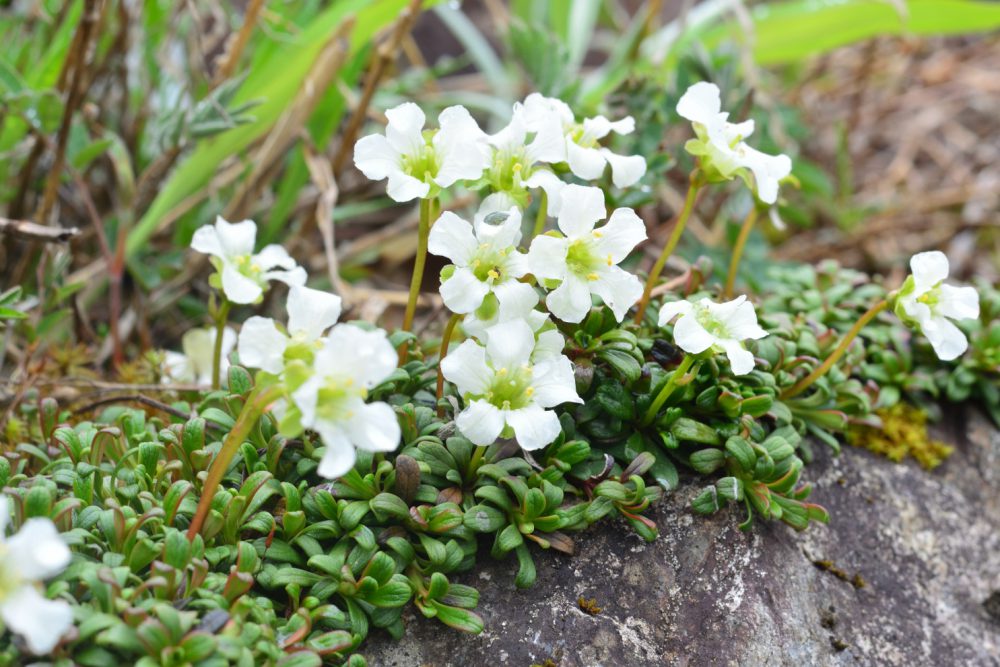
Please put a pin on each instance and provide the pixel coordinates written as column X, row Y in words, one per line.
column 926, row 544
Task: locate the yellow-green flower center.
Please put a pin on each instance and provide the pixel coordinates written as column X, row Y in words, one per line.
column 582, row 259
column 423, row 165
column 510, row 389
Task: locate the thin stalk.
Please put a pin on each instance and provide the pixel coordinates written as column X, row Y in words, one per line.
column 477, row 457
column 543, row 213
column 254, row 408
column 445, row 340
column 423, row 231
column 668, row 249
column 668, row 389
column 835, row 356
column 221, row 317
column 741, row 241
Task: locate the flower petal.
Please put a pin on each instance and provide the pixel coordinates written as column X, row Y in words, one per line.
column 739, row 318
column 767, row 170
column 623, row 232
column 311, row 311
column 547, row 257
column 551, row 184
column 350, row 352
column 740, row 359
column 534, row 427
column 262, row 345
column 515, row 299
column 690, row 336
column 40, row 621
column 452, row 237
column 237, row 287
column 403, row 187
column 626, row 170
column 504, row 234
column 618, row 289
column 959, row 303
column 37, row 550
column 274, row 256
column 463, row 292
column 305, row 399
column 462, row 147
column 404, row 131
column 375, row 157
column 338, row 456
column 672, row 309
column 509, row 344
column 587, row 163
column 549, row 144
column 548, row 345
column 237, row 238
column 700, row 103
column 554, row 383
column 581, row 208
column 480, row 422
column 374, row 427
column 947, row 339
column 296, row 276
column 929, row 268
column 570, row 302
column 466, row 368
column 206, row 241
column 538, row 109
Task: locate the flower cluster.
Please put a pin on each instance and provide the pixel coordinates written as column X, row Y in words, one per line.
column 543, row 138
column 243, row 275
column 322, row 372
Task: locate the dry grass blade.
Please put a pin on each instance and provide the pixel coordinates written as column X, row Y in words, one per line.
column 32, row 231
column 387, row 52
column 324, row 70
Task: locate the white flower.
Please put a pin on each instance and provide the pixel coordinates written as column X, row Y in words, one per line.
column 244, row 274
column 506, row 391
column 35, row 553
column 720, row 326
column 332, row 401
column 514, row 166
column 585, row 259
column 720, row 143
column 927, row 302
column 484, row 255
column 586, row 158
column 414, row 160
column 310, row 312
column 194, row 364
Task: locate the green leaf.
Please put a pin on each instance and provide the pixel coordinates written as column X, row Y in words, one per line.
column 707, row 461
column 623, row 363
column 459, row 619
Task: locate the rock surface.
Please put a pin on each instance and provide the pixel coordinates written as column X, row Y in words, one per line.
column 926, row 545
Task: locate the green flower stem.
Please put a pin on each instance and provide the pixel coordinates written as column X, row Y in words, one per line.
column 668, row 249
column 221, row 317
column 445, row 340
column 253, row 409
column 543, row 213
column 423, row 231
column 808, row 380
column 477, row 457
column 741, row 241
column 668, row 389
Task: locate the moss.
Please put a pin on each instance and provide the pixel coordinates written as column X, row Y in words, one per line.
column 828, row 566
column 588, row 606
column 903, row 433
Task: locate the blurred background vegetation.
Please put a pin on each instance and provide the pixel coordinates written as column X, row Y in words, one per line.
column 126, row 125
